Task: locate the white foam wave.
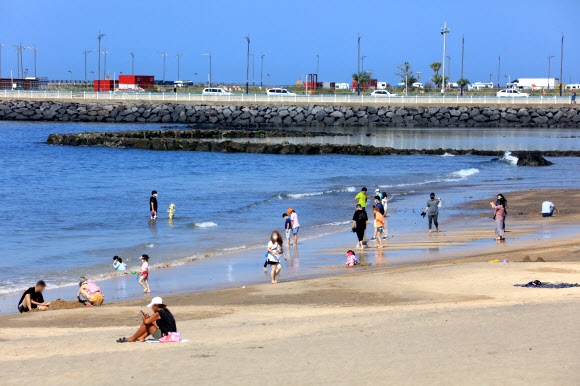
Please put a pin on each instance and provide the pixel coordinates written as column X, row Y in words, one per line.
column 336, row 223
column 234, row 248
column 464, row 173
column 302, row 195
column 206, row 224
column 509, row 158
column 448, row 155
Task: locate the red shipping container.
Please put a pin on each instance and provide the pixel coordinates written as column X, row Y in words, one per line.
column 106, row 85
column 143, row 81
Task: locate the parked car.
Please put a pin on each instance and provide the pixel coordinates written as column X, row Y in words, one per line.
column 511, row 93
column 382, row 93
column 215, row 91
column 279, row 91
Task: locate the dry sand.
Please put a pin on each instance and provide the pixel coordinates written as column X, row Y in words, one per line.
column 457, row 321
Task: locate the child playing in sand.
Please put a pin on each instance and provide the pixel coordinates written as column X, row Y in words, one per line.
column 118, row 264
column 144, row 273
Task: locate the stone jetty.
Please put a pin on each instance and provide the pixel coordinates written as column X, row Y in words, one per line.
column 288, row 116
column 218, row 141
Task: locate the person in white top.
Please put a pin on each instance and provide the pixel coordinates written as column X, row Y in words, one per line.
column 275, row 250
column 548, row 209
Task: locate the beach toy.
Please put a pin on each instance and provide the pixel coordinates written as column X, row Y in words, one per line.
column 494, row 261
column 134, row 272
column 370, row 264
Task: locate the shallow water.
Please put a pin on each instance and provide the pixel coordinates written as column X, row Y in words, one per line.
column 68, row 210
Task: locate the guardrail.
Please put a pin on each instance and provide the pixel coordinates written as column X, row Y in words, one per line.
column 261, row 98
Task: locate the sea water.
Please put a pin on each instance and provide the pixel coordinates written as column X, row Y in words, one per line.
column 68, row 210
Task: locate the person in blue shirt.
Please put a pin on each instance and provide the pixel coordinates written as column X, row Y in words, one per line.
column 287, row 227
column 118, row 264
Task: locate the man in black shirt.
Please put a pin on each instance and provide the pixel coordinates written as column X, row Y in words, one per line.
column 153, row 205
column 32, row 298
column 359, row 224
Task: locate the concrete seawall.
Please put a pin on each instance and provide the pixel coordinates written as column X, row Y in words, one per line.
column 287, row 116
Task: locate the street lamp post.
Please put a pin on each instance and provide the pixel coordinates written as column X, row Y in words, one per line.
column 498, row 70
column 449, row 67
column 490, row 76
column 99, row 66
column 34, row 49
column 317, row 65
column 85, row 53
column 253, row 57
column 261, row 68
column 419, row 76
column 93, row 74
column 268, row 79
column 362, row 60
column 358, row 67
column 70, row 72
column 444, row 31
column 1, row 45
column 178, row 56
column 248, row 65
column 549, row 59
column 210, row 57
column 561, row 61
column 105, row 52
column 164, row 54
column 132, row 62
column 196, row 78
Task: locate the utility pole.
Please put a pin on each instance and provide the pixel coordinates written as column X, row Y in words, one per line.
column 261, row 68
column 490, row 76
column 164, row 54
column 248, row 65
column 132, row 62
column 444, row 31
column 105, row 52
column 449, row 67
column 70, row 72
column 178, row 65
column 268, row 79
column 561, row 61
column 419, row 76
column 85, row 53
column 549, row 59
column 358, row 68
column 19, row 49
column 362, row 60
column 210, row 57
column 99, row 66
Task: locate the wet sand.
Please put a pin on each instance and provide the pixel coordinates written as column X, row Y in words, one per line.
column 454, row 319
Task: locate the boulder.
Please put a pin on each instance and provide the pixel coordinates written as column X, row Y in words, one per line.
column 531, row 159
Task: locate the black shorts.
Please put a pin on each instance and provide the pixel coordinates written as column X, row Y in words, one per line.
column 272, row 262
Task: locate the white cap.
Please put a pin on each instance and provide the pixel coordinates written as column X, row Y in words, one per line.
column 155, row 300
column 377, row 190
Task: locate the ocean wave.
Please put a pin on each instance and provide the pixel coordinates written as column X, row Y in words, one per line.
column 302, row 195
column 464, row 173
column 205, row 224
column 335, row 223
column 234, row 248
column 347, row 189
column 509, row 158
column 459, row 175
column 448, row 155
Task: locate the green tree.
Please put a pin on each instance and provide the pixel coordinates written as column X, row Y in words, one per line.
column 438, row 79
column 435, row 66
column 462, row 82
column 362, row 78
column 405, row 72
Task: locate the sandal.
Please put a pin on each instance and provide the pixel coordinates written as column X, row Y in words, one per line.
column 123, row 340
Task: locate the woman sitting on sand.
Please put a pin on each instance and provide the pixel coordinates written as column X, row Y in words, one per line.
column 160, row 323
column 499, row 209
column 275, row 249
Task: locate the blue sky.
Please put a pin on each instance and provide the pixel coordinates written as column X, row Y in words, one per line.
column 291, row 34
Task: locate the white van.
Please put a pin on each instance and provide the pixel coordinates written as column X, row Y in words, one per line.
column 342, row 86
column 381, row 85
column 574, row 86
column 215, row 91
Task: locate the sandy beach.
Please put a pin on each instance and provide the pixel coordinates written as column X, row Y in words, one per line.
column 457, row 319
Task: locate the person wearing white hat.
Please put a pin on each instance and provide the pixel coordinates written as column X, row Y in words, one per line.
column 160, row 323
column 378, row 193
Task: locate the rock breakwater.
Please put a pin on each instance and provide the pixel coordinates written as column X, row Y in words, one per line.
column 288, row 116
column 216, row 141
